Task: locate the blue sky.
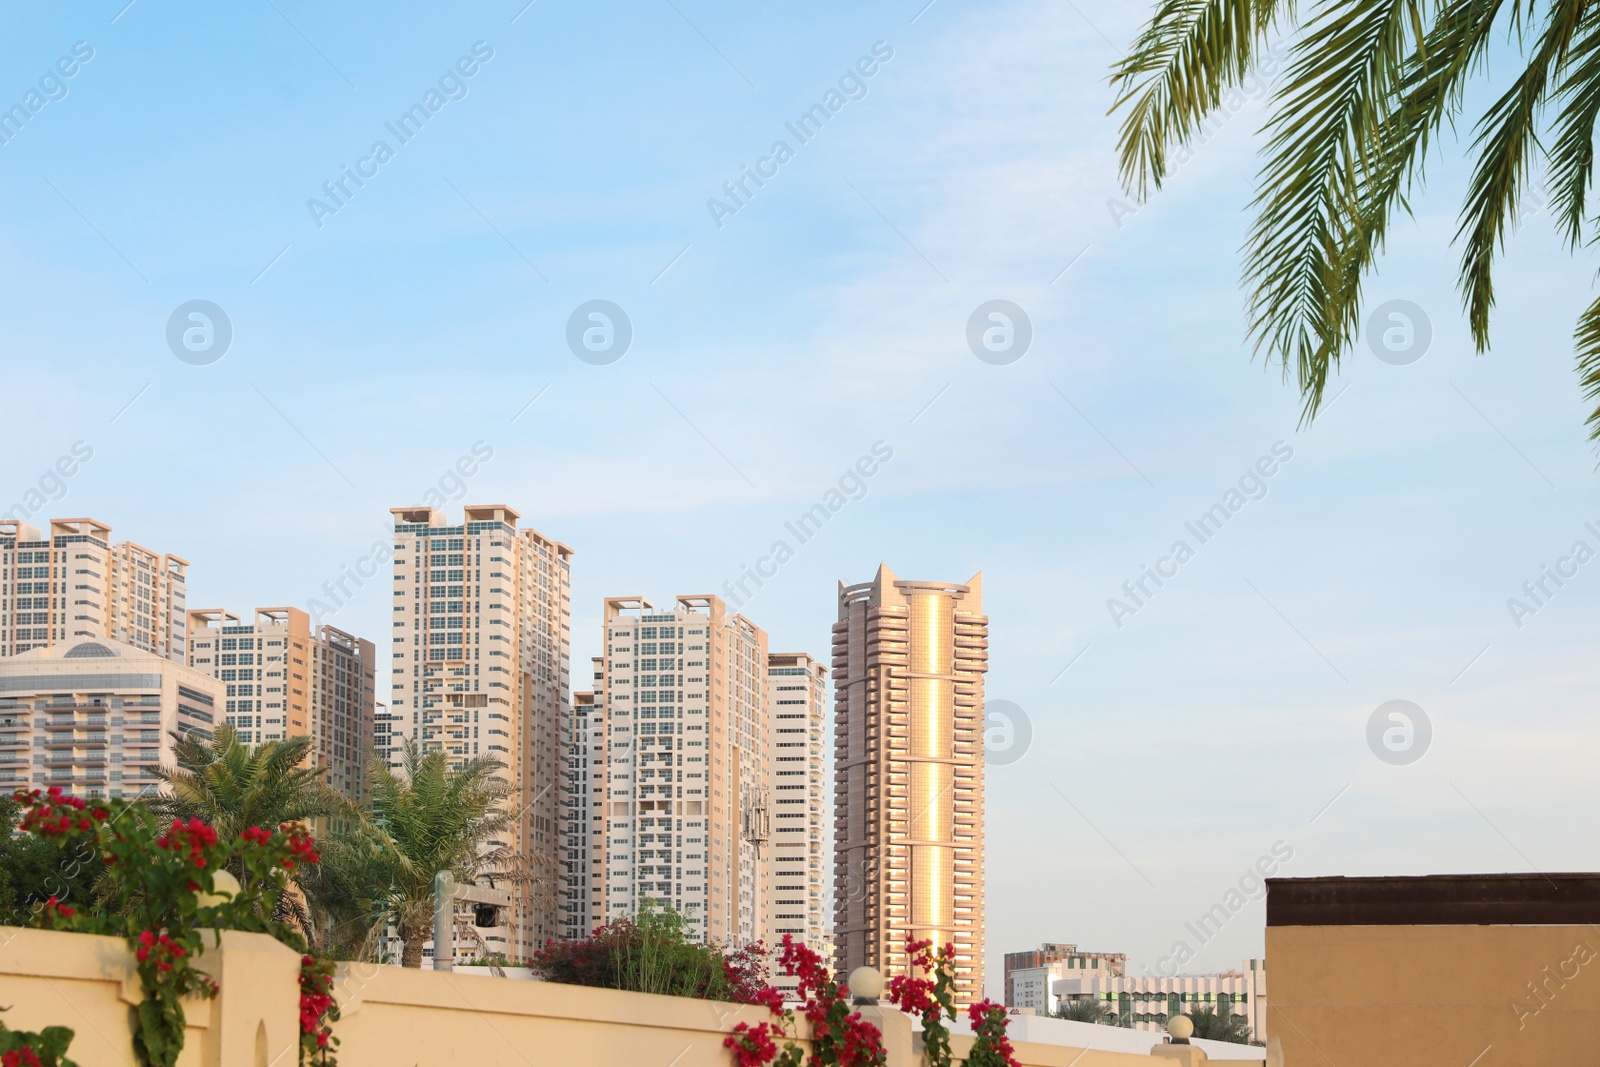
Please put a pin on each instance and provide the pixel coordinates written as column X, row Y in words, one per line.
column 769, row 353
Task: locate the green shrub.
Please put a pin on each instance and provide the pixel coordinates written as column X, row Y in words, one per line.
column 654, row 953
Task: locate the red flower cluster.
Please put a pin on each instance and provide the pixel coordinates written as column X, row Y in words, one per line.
column 839, row 1036
column 53, row 910
column 256, row 836
column 316, row 997
column 301, row 846
column 319, row 1010
column 769, row 998
column 20, row 1057
column 914, row 996
column 911, row 994
column 799, row 961
column 196, row 835
column 753, row 1045
column 160, row 946
column 52, row 814
column 860, row 1043
column 989, row 1024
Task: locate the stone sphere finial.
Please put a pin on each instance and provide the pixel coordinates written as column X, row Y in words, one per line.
column 866, row 985
column 1181, row 1027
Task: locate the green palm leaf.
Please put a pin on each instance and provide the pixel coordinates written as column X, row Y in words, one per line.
column 1184, row 62
column 1325, row 151
column 1370, row 84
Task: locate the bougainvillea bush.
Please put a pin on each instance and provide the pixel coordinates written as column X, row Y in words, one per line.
column 24, row 1048
column 840, row 1037
column 930, row 995
column 160, row 893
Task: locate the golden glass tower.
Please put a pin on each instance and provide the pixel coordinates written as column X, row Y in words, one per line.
column 908, row 665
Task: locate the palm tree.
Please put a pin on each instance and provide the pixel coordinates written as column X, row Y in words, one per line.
column 232, row 786
column 433, row 816
column 1368, row 85
column 1084, row 1011
column 1220, row 1026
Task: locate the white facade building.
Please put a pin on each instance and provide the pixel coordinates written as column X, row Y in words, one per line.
column 798, row 866
column 1147, row 1002
column 96, row 717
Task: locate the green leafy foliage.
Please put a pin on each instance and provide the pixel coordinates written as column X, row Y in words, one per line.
column 162, row 887
column 1220, row 1026
column 1085, row 1011
column 24, row 1048
column 433, row 816
column 654, row 953
column 1347, row 136
column 33, row 869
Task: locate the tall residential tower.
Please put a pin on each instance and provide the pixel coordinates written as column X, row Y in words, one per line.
column 76, row 583
column 678, row 748
column 908, row 666
column 796, row 875
column 482, row 640
column 286, row 679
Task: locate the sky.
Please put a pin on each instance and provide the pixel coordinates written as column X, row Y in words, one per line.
column 379, row 333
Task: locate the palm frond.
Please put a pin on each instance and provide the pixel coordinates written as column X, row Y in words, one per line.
column 1184, row 61
column 1507, row 135
column 1326, row 146
column 1572, row 154
column 1430, row 91
column 233, row 786
column 1586, row 342
column 433, row 815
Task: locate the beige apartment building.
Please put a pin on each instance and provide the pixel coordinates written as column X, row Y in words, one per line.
column 96, row 716
column 583, row 738
column 286, row 679
column 679, row 766
column 908, row 665
column 75, row 582
column 481, row 650
column 795, row 868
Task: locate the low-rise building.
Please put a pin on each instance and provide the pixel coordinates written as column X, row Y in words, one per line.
column 1146, row 1002
column 97, row 717
column 1054, row 952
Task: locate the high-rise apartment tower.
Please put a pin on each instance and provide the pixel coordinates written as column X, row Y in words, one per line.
column 679, row 763
column 797, row 875
column 76, row 583
column 286, row 679
column 482, row 640
column 908, row 666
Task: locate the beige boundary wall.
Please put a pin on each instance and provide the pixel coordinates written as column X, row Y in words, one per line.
column 88, row 984
column 1444, row 970
column 395, row 1017
column 1451, row 996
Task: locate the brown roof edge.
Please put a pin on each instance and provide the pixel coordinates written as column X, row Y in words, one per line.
column 1436, row 900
